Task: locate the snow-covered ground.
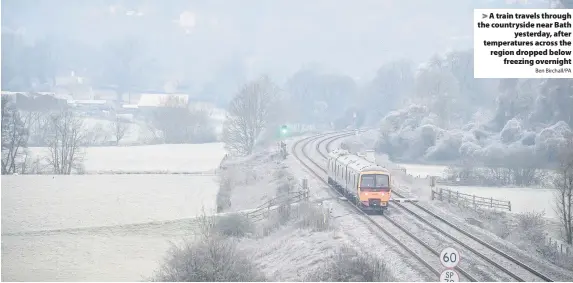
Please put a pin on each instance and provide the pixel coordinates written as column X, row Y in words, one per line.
column 175, row 158
column 521, row 239
column 127, row 256
column 84, row 224
column 522, row 199
column 44, row 202
column 424, row 170
column 291, row 253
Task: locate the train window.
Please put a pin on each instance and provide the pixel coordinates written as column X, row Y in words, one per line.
column 375, row 181
column 382, row 180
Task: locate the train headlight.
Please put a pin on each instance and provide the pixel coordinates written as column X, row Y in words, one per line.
column 382, row 194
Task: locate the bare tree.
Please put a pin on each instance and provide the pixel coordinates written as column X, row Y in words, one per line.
column 565, row 4
column 64, row 140
column 563, row 184
column 248, row 115
column 96, row 135
column 14, row 136
column 180, row 124
column 36, row 122
column 119, row 129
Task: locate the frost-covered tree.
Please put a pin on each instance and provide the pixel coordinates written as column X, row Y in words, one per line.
column 563, row 184
column 248, row 115
column 14, row 135
column 119, row 128
column 179, row 123
column 65, row 138
column 565, row 4
column 389, row 89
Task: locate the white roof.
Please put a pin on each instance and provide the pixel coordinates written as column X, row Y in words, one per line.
column 96, row 101
column 158, row 99
column 355, row 162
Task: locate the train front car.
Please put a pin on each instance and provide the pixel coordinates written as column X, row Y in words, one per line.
column 374, row 190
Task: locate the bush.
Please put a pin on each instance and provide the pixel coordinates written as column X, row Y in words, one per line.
column 210, row 257
column 216, row 260
column 533, row 226
column 224, row 193
column 347, row 265
column 313, row 217
column 234, row 225
column 305, row 215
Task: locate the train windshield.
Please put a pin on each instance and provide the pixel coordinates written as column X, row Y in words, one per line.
column 375, row 181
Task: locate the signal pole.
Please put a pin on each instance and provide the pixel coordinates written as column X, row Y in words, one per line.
column 282, row 144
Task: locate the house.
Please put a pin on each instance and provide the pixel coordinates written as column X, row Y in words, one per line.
column 93, row 107
column 36, row 101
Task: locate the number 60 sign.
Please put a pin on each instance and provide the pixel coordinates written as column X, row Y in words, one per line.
column 450, row 257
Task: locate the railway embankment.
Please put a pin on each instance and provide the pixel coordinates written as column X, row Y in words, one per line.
column 277, row 241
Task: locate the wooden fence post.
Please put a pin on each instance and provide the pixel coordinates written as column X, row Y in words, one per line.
column 474, row 197
column 491, row 202
column 509, row 205
column 449, row 196
column 433, row 194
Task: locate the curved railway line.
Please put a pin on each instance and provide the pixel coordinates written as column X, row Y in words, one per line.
column 484, row 258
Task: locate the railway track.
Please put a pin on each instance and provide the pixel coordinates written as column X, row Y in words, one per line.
column 483, row 258
column 506, row 263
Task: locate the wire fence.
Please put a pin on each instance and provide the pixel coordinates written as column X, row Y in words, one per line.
column 560, row 246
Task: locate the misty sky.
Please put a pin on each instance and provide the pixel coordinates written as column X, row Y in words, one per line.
column 197, row 38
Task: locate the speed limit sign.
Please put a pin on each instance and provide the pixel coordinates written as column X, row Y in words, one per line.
column 450, row 257
column 449, row 276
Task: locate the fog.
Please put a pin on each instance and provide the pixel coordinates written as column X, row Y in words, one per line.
column 214, row 46
column 110, row 90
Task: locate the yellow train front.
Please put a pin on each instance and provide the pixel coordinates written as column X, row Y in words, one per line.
column 360, row 180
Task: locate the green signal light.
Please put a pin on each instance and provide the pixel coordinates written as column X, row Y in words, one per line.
column 284, row 130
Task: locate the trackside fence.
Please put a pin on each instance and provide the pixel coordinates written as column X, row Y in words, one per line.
column 473, row 200
column 262, row 211
column 559, row 246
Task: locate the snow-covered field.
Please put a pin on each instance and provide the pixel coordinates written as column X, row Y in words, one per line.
column 44, row 202
column 80, row 227
column 175, row 158
column 522, row 199
column 424, row 170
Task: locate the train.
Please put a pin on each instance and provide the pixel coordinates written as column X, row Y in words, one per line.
column 364, row 183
